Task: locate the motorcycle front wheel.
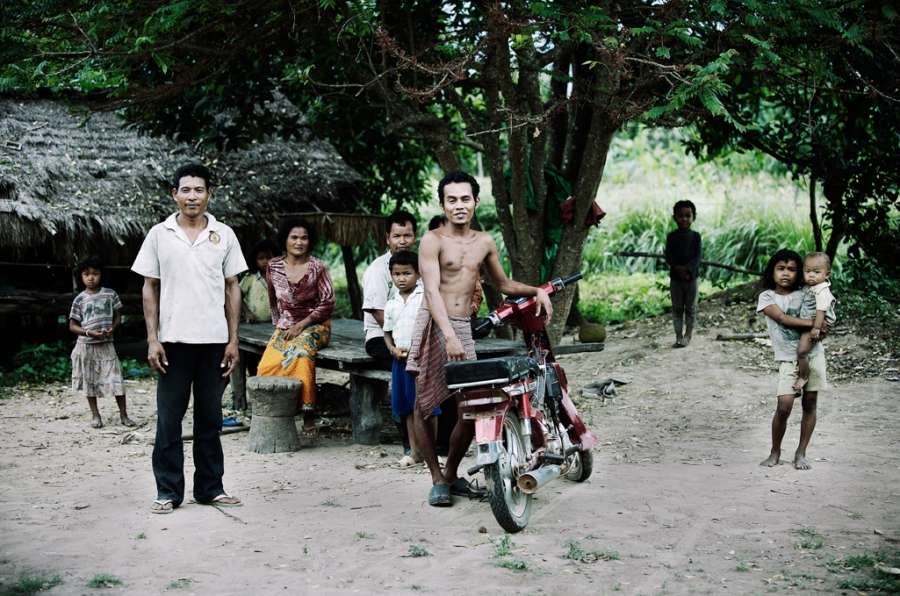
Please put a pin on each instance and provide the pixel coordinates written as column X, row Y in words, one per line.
column 511, row 506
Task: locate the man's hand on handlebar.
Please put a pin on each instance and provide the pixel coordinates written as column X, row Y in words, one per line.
column 543, row 302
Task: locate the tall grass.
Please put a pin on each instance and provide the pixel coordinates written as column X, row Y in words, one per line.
column 742, row 234
column 747, row 207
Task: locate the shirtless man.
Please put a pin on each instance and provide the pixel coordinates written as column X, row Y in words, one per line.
column 449, row 260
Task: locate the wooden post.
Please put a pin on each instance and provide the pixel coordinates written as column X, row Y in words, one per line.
column 365, row 414
column 274, row 406
column 352, row 282
column 239, row 385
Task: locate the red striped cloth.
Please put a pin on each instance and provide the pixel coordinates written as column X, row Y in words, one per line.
column 428, row 355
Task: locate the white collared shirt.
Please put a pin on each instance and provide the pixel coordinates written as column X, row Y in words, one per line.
column 192, row 279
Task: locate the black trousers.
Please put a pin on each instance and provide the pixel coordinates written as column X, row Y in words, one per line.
column 377, row 349
column 192, row 367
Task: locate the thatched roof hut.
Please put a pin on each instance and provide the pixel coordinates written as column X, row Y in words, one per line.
column 70, row 186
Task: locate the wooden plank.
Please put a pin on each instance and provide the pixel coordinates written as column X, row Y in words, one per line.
column 379, row 375
column 579, row 348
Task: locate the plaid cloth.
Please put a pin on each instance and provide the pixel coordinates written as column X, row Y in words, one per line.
column 428, row 355
column 400, row 317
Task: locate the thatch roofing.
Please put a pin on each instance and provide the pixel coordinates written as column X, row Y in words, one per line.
column 71, row 187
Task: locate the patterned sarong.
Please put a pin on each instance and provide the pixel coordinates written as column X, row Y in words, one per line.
column 297, row 359
column 96, row 371
column 428, row 355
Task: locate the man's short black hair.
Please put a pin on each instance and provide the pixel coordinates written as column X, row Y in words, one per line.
column 684, row 203
column 436, row 222
column 197, row 170
column 458, row 176
column 786, row 255
column 296, row 222
column 401, row 218
column 88, row 262
column 264, row 245
column 404, row 257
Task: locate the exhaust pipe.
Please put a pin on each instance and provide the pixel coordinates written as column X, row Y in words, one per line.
column 530, row 482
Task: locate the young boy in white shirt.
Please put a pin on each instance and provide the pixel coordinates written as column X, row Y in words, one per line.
column 399, row 320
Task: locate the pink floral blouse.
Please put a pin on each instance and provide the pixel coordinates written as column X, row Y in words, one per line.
column 312, row 296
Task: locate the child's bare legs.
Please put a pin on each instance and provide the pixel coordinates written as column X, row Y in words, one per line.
column 803, row 347
column 97, row 421
column 123, row 414
column 414, row 450
column 807, row 426
column 779, row 426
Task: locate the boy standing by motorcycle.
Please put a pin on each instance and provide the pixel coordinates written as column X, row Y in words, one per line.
column 449, row 260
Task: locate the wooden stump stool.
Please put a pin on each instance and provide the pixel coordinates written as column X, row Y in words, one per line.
column 274, row 403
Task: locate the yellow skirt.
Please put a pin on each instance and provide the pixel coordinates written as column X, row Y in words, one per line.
column 296, row 358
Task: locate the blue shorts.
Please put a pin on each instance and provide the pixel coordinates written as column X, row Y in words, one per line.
column 403, row 391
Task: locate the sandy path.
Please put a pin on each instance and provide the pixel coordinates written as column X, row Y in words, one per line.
column 677, row 494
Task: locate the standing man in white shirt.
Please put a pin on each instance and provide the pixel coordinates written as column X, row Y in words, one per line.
column 400, row 229
column 192, row 305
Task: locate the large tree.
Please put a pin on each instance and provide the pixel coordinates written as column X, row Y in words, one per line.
column 537, row 87
column 829, row 111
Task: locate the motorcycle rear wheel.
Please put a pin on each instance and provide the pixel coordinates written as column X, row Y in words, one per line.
column 581, row 465
column 511, row 506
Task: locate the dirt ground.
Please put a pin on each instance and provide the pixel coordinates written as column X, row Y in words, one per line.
column 677, row 503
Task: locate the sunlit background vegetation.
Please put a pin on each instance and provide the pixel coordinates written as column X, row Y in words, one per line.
column 748, row 207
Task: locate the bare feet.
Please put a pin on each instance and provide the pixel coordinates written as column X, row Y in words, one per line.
column 679, row 341
column 97, row 422
column 800, row 462
column 800, row 384
column 126, row 421
column 686, row 341
column 772, row 460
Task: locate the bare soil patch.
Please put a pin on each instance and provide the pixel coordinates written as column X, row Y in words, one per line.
column 677, row 504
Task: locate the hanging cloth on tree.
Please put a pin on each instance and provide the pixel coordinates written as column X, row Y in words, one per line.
column 558, row 189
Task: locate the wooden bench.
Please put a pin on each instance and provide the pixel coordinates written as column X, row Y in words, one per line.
column 347, row 353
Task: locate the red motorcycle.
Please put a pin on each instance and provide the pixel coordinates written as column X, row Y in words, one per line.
column 527, row 430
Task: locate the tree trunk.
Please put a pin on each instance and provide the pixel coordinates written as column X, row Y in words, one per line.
column 834, row 189
column 353, row 288
column 813, row 216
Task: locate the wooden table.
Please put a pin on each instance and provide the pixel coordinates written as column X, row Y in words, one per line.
column 347, row 353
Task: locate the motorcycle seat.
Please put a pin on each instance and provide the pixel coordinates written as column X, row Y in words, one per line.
column 507, row 369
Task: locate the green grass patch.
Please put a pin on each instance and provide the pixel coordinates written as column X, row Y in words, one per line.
column 418, row 551
column 503, row 546
column 364, row 536
column 104, row 580
column 576, row 553
column 26, row 585
column 180, row 583
column 811, row 540
column 516, row 564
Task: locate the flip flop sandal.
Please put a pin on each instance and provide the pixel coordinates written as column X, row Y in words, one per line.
column 405, row 462
column 232, row 421
column 163, row 503
column 440, row 496
column 309, row 432
column 218, row 501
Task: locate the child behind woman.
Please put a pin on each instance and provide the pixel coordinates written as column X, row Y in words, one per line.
column 255, row 306
column 96, row 314
column 816, row 271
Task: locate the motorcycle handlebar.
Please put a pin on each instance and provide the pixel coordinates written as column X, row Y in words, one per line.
column 572, row 279
column 485, row 324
